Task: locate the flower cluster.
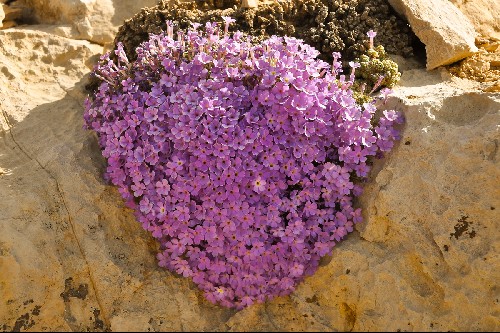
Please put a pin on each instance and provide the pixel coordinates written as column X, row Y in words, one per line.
column 239, row 159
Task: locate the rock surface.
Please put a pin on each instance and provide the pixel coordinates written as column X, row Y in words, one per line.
column 73, row 258
column 93, row 20
column 14, row 12
column 483, row 66
column 484, row 14
column 2, row 15
column 447, row 33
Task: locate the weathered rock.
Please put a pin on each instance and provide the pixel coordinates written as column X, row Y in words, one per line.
column 2, row 15
column 447, row 34
column 483, row 66
column 249, row 3
column 72, row 257
column 12, row 13
column 93, row 20
column 484, row 14
column 8, row 24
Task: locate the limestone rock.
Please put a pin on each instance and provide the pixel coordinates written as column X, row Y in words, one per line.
column 12, row 13
column 93, row 20
column 15, row 12
column 484, row 14
column 447, row 34
column 8, row 24
column 249, row 3
column 2, row 15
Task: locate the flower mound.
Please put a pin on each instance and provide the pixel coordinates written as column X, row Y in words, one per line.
column 239, row 159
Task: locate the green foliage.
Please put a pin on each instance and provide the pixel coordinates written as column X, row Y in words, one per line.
column 374, row 64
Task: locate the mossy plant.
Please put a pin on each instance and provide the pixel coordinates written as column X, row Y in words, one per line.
column 328, row 26
column 375, row 70
column 376, row 64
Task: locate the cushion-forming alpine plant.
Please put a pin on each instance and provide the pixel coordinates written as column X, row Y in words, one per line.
column 240, row 159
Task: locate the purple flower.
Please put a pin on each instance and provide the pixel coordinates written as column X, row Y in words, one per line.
column 301, row 101
column 371, row 34
column 195, row 25
column 227, row 21
column 240, row 159
column 145, row 206
column 170, row 29
column 385, row 92
column 182, row 267
column 353, row 65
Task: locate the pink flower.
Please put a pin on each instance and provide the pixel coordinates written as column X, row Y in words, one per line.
column 371, row 34
column 259, row 184
column 227, row 21
column 242, row 160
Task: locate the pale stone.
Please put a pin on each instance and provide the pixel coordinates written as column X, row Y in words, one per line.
column 448, row 35
column 8, row 24
column 2, row 15
column 97, row 21
column 484, row 14
column 249, row 3
column 479, row 65
column 12, row 12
